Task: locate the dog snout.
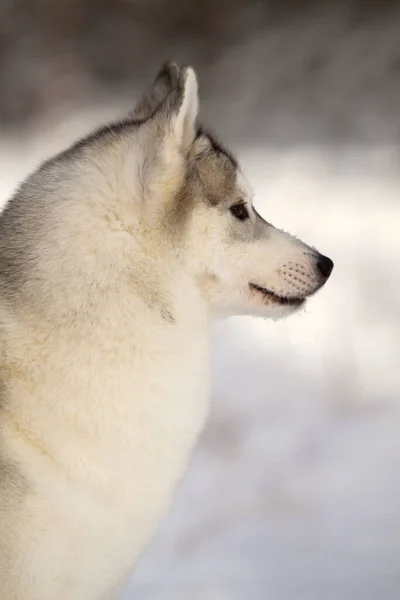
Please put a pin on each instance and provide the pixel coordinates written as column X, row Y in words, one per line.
column 325, row 266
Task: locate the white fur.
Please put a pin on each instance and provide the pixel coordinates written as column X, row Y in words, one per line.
column 184, row 122
column 105, row 357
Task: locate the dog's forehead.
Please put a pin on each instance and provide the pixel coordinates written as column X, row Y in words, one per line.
column 217, row 178
column 244, row 186
column 217, row 172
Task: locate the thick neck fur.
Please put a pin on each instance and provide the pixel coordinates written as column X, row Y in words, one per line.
column 97, row 285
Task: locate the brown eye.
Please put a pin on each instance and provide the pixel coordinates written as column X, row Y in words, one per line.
column 240, row 212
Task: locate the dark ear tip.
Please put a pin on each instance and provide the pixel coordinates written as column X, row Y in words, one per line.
column 169, row 65
column 170, row 70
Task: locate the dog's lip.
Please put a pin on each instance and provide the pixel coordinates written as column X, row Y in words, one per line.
column 284, row 300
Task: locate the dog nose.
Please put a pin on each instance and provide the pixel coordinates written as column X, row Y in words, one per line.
column 325, row 265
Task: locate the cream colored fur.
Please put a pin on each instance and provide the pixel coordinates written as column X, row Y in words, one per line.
column 107, row 292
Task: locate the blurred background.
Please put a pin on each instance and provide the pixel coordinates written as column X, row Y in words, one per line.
column 294, row 490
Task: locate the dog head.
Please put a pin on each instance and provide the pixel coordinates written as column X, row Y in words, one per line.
column 202, row 200
column 158, row 200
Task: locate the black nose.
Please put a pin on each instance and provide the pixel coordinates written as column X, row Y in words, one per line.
column 325, row 265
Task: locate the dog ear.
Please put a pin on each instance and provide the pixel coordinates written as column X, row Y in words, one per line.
column 168, row 130
column 171, row 106
column 164, row 83
column 183, row 109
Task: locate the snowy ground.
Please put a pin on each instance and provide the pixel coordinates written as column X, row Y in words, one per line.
column 294, row 491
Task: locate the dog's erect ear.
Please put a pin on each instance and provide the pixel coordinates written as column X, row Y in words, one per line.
column 167, row 130
column 172, row 101
column 181, row 109
column 165, row 82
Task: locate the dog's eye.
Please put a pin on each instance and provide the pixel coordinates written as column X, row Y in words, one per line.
column 240, row 211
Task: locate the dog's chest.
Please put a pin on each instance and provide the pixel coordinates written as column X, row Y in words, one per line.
column 117, row 429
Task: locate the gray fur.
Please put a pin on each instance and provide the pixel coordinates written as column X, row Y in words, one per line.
column 13, row 485
column 165, row 81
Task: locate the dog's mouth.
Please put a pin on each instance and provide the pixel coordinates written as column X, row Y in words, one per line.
column 276, row 299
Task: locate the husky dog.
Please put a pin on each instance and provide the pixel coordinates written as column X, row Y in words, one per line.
column 115, row 256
